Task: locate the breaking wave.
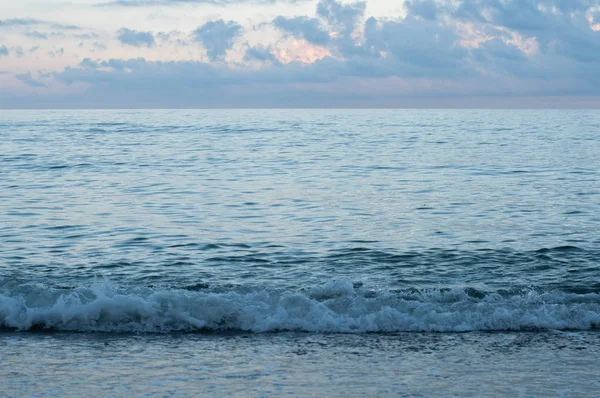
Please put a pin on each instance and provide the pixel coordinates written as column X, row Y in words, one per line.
column 336, row 307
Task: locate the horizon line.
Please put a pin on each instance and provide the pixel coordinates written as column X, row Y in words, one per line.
column 294, row 108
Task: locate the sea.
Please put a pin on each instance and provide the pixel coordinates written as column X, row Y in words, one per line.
column 337, row 253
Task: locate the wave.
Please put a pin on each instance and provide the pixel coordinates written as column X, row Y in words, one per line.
column 336, row 307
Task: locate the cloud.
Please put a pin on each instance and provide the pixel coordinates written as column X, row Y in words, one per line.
column 558, row 27
column 173, row 38
column 28, row 79
column 419, row 48
column 427, row 45
column 498, row 49
column 329, row 82
column 18, row 22
column 306, row 28
column 28, row 22
column 139, row 72
column 449, row 49
column 135, row 38
column 99, row 46
column 260, row 54
column 524, row 15
column 343, row 24
column 151, row 3
column 139, row 82
column 16, row 50
column 86, row 36
column 56, row 52
column 426, row 9
column 217, row 37
column 48, row 35
column 343, row 17
column 335, row 26
column 37, row 35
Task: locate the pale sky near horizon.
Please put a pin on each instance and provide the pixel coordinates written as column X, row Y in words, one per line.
column 299, row 53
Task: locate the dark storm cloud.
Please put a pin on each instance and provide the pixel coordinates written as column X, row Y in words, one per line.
column 217, row 37
column 135, row 38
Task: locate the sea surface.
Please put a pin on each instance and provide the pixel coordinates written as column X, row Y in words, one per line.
column 300, row 253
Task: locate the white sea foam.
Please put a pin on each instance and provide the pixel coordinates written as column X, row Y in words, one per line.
column 335, row 307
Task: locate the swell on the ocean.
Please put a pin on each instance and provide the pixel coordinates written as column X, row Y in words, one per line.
column 336, row 307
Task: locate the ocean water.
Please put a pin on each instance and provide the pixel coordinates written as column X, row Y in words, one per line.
column 300, row 252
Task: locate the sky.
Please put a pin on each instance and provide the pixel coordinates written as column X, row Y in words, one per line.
column 299, row 54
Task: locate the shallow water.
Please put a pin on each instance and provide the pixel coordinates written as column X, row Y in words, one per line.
column 292, row 225
column 548, row 364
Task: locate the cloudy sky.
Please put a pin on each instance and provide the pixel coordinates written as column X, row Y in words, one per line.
column 299, row 53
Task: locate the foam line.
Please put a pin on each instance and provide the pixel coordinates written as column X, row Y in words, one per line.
column 334, row 307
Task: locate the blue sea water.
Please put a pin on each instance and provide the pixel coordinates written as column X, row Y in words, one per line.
column 300, row 252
